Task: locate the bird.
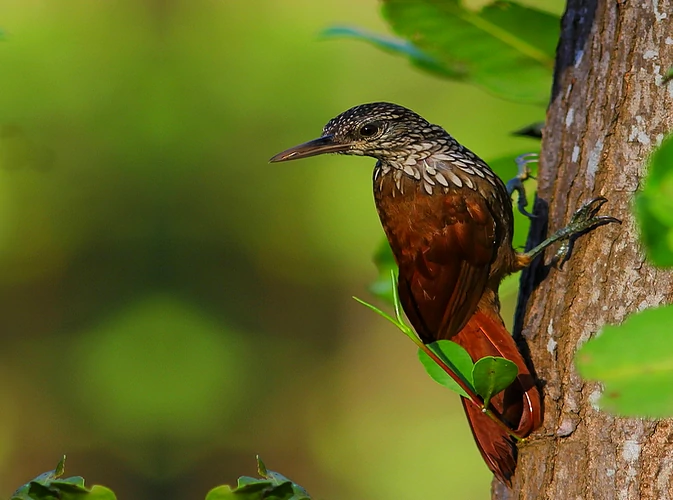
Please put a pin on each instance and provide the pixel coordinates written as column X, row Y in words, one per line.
column 449, row 221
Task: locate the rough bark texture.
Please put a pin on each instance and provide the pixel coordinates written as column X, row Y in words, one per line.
column 610, row 108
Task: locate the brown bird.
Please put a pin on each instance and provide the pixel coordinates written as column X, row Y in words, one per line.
column 449, row 222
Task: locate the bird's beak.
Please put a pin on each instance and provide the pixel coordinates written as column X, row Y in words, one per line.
column 321, row 145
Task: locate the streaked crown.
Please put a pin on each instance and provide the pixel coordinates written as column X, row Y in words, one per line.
column 385, row 131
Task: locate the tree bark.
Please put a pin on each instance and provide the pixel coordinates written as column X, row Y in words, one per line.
column 610, row 107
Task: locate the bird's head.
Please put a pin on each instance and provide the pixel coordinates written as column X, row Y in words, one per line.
column 382, row 130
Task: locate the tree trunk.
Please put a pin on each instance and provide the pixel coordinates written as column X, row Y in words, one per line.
column 610, row 107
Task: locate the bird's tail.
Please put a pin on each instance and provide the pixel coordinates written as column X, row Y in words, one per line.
column 519, row 406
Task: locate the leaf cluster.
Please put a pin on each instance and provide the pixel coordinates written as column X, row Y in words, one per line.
column 506, row 48
column 270, row 486
column 51, row 486
column 450, row 364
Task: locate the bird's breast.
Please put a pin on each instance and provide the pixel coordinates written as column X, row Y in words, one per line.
column 418, row 201
column 412, row 211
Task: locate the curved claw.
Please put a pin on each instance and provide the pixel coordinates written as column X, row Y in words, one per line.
column 591, row 207
column 526, row 156
column 584, row 219
column 516, row 184
column 521, row 205
column 522, row 162
column 601, row 220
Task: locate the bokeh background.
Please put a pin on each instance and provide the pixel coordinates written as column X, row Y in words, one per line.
column 171, row 304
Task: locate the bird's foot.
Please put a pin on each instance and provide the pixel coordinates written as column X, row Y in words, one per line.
column 583, row 220
column 516, row 184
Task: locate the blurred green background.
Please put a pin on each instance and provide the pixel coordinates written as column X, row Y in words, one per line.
column 172, row 304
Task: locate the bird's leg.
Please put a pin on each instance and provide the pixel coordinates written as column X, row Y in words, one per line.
column 516, row 184
column 582, row 220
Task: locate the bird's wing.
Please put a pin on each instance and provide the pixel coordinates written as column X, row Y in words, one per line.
column 442, row 278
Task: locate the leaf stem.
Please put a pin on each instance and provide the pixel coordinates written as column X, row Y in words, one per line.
column 445, row 365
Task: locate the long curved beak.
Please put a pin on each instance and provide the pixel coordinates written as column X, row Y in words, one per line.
column 321, row 145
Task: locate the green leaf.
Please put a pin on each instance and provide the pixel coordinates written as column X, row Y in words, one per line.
column 404, row 328
column 98, row 492
column 397, row 46
column 260, row 490
column 253, row 491
column 221, row 493
column 634, row 361
column 452, row 355
column 245, row 480
column 507, row 48
column 283, row 491
column 75, row 483
column 47, row 486
column 271, row 486
column 38, row 489
column 398, row 320
column 493, row 374
column 654, row 206
column 278, row 479
column 60, row 469
column 456, row 358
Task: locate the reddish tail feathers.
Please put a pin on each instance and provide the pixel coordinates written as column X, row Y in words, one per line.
column 518, row 406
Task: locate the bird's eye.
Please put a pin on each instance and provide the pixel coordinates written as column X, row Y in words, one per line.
column 369, row 130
